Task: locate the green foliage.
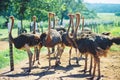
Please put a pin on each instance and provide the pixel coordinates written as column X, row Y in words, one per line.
column 25, row 9
column 2, row 22
column 117, row 13
column 4, row 5
column 18, row 56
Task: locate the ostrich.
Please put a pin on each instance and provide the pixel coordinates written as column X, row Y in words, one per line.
column 87, row 30
column 61, row 30
column 66, row 40
column 24, row 41
column 96, row 45
column 34, row 23
column 51, row 38
column 36, row 48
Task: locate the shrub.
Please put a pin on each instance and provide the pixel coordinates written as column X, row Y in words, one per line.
column 117, row 13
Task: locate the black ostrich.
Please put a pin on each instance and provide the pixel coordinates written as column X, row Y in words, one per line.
column 66, row 40
column 51, row 38
column 95, row 45
column 24, row 41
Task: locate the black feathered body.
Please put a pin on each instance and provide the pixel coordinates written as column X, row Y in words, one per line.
column 67, row 40
column 95, row 44
column 29, row 39
column 64, row 39
column 103, row 42
column 87, row 45
column 61, row 29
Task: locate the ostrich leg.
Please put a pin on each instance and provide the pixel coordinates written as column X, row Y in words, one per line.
column 70, row 56
column 85, row 68
column 99, row 68
column 49, row 58
column 30, row 57
column 95, row 62
column 90, row 65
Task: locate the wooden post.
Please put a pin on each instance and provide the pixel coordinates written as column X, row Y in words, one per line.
column 10, row 51
column 11, row 56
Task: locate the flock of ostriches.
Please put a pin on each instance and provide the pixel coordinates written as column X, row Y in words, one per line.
column 85, row 41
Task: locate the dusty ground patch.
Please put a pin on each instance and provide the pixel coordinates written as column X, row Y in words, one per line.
column 110, row 69
column 4, row 45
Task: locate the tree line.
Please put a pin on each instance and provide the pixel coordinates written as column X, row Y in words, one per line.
column 103, row 8
column 25, row 9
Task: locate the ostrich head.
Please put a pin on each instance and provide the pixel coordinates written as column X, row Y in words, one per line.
column 51, row 15
column 34, row 18
column 12, row 17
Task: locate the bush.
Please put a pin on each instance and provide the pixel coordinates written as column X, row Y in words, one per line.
column 117, row 14
column 2, row 22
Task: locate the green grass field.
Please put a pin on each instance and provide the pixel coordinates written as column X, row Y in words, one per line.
column 18, row 56
column 21, row 55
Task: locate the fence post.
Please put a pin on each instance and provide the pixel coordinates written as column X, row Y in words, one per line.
column 10, row 50
column 11, row 56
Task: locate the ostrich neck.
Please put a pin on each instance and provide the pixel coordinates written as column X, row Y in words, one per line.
column 77, row 25
column 11, row 25
column 54, row 23
column 82, row 23
column 34, row 27
column 72, row 24
column 49, row 26
column 69, row 27
column 10, row 34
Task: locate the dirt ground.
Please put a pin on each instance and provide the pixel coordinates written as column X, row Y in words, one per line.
column 110, row 69
column 4, row 45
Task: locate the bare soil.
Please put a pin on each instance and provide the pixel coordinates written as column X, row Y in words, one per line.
column 110, row 68
column 4, row 45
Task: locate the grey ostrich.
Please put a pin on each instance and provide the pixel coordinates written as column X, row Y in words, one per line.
column 51, row 38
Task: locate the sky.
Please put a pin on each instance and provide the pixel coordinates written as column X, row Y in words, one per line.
column 103, row 1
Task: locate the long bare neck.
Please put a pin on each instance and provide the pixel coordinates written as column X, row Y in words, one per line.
column 72, row 24
column 54, row 23
column 11, row 25
column 77, row 25
column 82, row 23
column 49, row 24
column 69, row 26
column 34, row 27
column 10, row 34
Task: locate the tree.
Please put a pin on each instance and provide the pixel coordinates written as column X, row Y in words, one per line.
column 25, row 9
column 5, row 7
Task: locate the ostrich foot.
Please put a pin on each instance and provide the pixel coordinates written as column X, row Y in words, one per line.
column 27, row 71
column 84, row 70
column 69, row 63
column 57, row 63
column 38, row 63
column 90, row 73
column 77, row 62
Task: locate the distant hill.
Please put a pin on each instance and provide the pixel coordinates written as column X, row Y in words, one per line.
column 103, row 8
